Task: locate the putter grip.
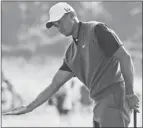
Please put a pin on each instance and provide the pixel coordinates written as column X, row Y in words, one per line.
column 135, row 119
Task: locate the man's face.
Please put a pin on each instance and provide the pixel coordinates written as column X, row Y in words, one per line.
column 65, row 25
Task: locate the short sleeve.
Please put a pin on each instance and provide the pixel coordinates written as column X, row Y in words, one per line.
column 64, row 67
column 107, row 39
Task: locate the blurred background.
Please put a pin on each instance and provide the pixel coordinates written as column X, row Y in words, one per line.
column 31, row 55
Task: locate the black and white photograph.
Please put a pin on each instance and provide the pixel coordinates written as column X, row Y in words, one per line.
column 71, row 64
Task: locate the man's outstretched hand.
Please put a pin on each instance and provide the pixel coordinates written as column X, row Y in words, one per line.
column 18, row 111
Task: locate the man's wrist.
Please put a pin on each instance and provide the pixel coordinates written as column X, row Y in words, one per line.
column 129, row 91
column 29, row 108
column 129, row 95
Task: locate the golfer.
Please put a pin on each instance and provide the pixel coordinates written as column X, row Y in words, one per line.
column 98, row 58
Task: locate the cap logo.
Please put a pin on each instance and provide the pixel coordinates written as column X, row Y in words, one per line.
column 67, row 9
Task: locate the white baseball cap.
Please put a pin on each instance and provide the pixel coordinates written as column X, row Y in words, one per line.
column 57, row 11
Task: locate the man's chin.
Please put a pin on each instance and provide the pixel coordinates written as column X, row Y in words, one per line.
column 67, row 34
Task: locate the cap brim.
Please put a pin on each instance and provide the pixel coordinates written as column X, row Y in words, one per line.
column 49, row 25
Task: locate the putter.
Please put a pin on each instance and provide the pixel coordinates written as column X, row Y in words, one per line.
column 135, row 119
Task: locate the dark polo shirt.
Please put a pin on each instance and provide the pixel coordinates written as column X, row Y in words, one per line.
column 107, row 41
column 90, row 57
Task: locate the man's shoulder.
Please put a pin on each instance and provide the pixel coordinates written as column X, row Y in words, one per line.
column 90, row 25
column 93, row 22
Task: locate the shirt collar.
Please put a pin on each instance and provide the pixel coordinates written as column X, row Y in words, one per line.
column 76, row 40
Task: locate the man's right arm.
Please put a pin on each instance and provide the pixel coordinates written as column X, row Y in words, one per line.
column 59, row 79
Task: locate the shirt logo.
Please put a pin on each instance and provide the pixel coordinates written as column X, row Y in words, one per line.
column 83, row 46
column 67, row 9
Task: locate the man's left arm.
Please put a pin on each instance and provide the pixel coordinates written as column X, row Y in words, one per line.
column 113, row 47
column 127, row 68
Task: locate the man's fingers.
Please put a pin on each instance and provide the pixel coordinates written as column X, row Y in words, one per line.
column 16, row 109
column 137, row 99
column 8, row 113
column 13, row 112
column 136, row 106
column 136, row 110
